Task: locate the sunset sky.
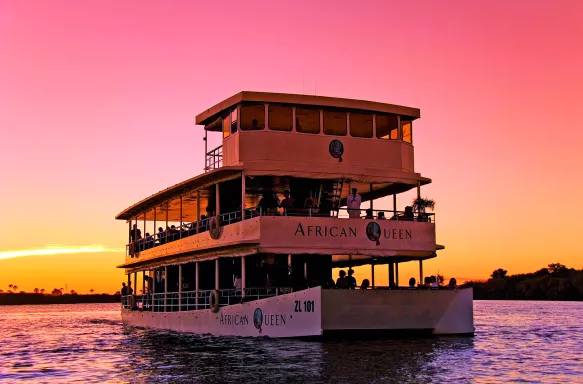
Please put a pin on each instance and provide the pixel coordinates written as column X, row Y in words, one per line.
column 98, row 99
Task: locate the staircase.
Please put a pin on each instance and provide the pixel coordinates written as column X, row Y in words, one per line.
column 336, row 196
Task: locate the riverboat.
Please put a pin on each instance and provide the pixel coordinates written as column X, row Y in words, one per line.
column 249, row 246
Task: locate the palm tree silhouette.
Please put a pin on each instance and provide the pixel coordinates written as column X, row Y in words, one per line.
column 42, row 290
column 10, row 286
column 15, row 287
column 91, row 290
column 1, row 291
column 35, row 290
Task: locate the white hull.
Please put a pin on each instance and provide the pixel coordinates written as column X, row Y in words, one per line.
column 314, row 312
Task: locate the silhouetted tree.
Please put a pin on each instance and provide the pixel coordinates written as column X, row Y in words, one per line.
column 1, row 291
column 57, row 291
column 15, row 288
column 42, row 290
column 499, row 273
column 35, row 290
column 91, row 291
column 558, row 269
column 73, row 292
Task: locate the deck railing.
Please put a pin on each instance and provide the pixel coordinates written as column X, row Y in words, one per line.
column 214, row 159
column 187, row 300
column 189, row 229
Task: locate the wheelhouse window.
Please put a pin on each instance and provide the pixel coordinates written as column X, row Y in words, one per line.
column 280, row 118
column 226, row 125
column 360, row 125
column 252, row 117
column 407, row 130
column 234, row 118
column 387, row 127
column 308, row 120
column 335, row 123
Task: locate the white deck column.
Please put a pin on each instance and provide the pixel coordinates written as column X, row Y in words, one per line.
column 243, row 283
column 218, row 202
column 197, row 212
column 397, row 274
column 135, row 283
column 153, row 289
column 180, row 286
column 165, row 287
column 242, row 196
column 197, row 269
column 217, row 274
column 372, row 275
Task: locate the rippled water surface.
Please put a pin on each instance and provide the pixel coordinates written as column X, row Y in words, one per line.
column 514, row 342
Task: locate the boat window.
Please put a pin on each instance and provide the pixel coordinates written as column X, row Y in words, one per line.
column 335, row 123
column 227, row 125
column 407, row 130
column 280, row 118
column 252, row 117
column 307, row 120
column 387, row 127
column 360, row 125
column 234, row 120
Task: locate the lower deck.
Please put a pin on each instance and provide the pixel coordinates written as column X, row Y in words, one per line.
column 316, row 312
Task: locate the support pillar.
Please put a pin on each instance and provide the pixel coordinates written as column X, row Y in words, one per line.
column 197, row 273
column 155, row 229
column 243, row 196
column 397, row 274
column 143, row 288
column 394, row 204
column 153, row 289
column 218, row 198
column 391, row 275
column 135, row 283
column 372, row 275
column 217, row 274
column 243, row 279
column 165, row 287
column 180, row 235
column 371, row 206
column 180, row 286
column 197, row 212
column 420, row 271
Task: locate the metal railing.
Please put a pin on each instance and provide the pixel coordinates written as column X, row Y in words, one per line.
column 187, row 300
column 193, row 228
column 214, row 159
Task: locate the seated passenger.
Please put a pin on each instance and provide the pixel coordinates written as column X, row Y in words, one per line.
column 408, row 215
column 173, row 233
column 381, row 216
column 369, row 214
column 433, row 281
column 412, row 282
column 350, row 279
column 287, row 203
column 149, row 241
column 365, row 284
column 325, row 205
column 452, row 283
column 161, row 236
column 342, row 282
column 268, row 203
column 237, row 282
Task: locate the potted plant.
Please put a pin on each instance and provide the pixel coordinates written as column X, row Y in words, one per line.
column 420, row 204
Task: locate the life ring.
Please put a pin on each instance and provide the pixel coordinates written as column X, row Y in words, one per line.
column 215, row 227
column 214, row 300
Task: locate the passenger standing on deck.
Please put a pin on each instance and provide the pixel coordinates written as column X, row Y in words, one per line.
column 342, row 282
column 350, row 279
column 135, row 233
column 236, row 282
column 124, row 289
column 288, row 202
column 161, row 236
column 353, row 204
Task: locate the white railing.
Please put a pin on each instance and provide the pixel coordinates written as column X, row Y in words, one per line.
column 187, row 300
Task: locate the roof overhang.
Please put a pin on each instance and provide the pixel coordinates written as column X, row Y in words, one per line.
column 210, row 116
column 183, row 188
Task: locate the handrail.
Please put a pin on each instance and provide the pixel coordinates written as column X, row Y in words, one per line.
column 214, row 159
column 203, row 225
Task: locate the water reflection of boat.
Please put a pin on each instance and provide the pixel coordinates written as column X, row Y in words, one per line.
column 221, row 254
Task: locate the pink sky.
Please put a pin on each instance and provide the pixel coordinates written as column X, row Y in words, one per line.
column 98, row 98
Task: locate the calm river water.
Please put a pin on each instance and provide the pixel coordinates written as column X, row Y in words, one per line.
column 514, row 342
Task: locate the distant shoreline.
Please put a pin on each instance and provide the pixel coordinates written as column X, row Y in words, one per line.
column 40, row 299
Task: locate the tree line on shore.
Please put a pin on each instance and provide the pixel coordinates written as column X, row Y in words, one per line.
column 12, row 296
column 556, row 282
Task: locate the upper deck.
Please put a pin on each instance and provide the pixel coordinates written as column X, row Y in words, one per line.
column 312, row 136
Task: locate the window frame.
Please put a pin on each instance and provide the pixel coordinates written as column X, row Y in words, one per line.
column 323, row 119
column 240, row 119
column 376, row 133
column 268, row 125
column 372, row 116
column 401, row 135
column 311, row 109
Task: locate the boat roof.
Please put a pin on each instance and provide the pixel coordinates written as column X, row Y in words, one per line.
column 211, row 114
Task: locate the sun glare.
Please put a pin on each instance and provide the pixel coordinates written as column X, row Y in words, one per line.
column 58, row 250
